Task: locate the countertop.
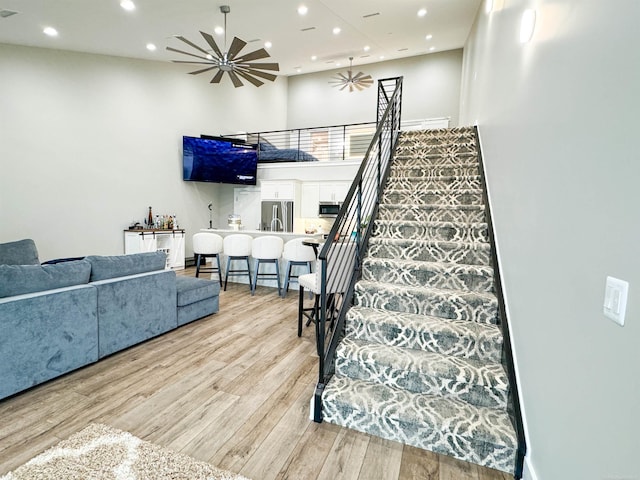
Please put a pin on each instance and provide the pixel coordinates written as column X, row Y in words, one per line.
column 257, row 233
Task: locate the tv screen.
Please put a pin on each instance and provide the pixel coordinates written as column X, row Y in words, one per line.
column 219, row 160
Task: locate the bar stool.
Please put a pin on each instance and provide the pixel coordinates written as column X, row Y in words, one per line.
column 266, row 249
column 237, row 247
column 207, row 245
column 296, row 254
column 341, row 260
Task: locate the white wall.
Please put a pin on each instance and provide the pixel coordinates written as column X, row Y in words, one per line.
column 89, row 142
column 431, row 88
column 558, row 120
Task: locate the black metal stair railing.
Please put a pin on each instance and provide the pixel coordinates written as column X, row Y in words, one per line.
column 341, row 256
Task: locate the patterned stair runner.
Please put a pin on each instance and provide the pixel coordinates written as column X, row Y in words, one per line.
column 420, row 362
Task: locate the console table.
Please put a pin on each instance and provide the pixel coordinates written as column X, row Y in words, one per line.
column 151, row 240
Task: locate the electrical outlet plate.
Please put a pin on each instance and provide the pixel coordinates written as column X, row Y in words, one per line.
column 615, row 300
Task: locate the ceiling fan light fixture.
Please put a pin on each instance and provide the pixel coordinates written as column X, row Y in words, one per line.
column 236, row 65
column 348, row 80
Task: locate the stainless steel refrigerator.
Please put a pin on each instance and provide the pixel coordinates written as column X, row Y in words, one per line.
column 277, row 216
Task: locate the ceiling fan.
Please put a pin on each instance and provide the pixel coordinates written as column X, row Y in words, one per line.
column 359, row 81
column 237, row 66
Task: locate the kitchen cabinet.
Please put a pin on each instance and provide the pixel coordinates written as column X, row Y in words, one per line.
column 280, row 190
column 333, row 192
column 310, row 200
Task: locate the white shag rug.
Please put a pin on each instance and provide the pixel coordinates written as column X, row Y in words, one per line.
column 100, row 452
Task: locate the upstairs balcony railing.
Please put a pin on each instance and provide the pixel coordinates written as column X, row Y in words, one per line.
column 347, row 142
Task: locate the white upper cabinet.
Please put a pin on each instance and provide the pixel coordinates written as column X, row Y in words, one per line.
column 333, row 192
column 279, row 190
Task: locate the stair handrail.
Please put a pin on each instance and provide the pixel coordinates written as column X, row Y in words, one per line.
column 348, row 238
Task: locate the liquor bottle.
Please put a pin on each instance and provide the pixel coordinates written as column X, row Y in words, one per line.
column 150, row 219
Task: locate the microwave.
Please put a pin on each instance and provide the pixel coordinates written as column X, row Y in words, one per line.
column 329, row 209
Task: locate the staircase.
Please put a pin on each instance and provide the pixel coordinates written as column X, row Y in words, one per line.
column 420, row 362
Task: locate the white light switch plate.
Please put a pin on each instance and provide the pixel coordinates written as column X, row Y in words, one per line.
column 615, row 299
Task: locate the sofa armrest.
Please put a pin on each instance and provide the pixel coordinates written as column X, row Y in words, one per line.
column 46, row 334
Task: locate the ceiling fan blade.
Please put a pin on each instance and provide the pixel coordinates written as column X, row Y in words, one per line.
column 261, row 66
column 255, row 55
column 236, row 46
column 217, row 77
column 210, row 62
column 179, row 37
column 212, row 43
column 250, row 78
column 256, row 73
column 187, row 53
column 234, row 78
column 203, row 70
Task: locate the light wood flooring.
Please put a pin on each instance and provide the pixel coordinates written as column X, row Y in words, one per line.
column 232, row 389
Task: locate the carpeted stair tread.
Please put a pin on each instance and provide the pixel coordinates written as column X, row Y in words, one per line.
column 444, row 275
column 411, row 169
column 470, row 253
column 459, row 338
column 454, row 304
column 479, row 383
column 432, row 213
column 433, row 197
column 434, row 183
column 479, row 435
column 439, row 231
column 438, row 155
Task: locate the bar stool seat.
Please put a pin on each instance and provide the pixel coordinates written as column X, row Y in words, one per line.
column 296, row 254
column 266, row 249
column 237, row 247
column 206, row 245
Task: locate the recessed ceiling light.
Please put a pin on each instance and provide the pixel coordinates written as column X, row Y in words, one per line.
column 128, row 5
column 298, row 70
column 314, row 58
column 218, row 30
column 52, row 32
column 302, row 10
column 428, row 37
column 431, row 49
column 381, row 57
column 337, row 64
column 268, row 44
column 336, row 30
column 151, row 47
column 367, row 48
column 422, row 12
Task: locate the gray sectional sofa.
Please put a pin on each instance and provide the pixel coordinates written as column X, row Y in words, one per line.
column 55, row 318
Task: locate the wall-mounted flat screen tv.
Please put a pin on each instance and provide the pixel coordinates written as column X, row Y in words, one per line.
column 219, row 160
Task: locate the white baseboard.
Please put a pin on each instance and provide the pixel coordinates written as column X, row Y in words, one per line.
column 528, row 472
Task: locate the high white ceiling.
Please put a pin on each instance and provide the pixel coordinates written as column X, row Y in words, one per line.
column 391, row 28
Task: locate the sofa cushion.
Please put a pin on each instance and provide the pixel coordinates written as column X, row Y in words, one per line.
column 103, row 268
column 20, row 279
column 192, row 290
column 21, row 252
